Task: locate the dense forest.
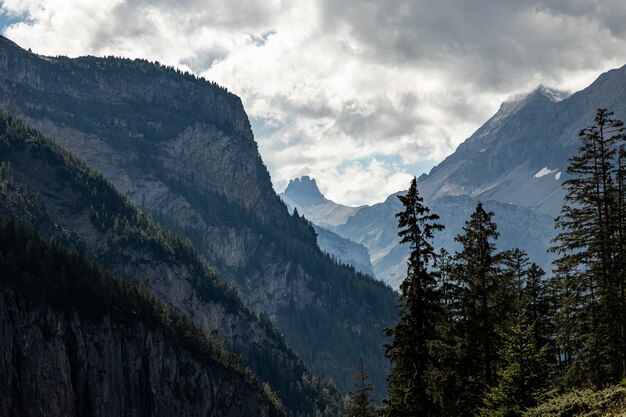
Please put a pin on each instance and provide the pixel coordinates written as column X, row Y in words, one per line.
column 488, row 333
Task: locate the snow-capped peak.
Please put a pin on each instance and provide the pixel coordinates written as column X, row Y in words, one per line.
column 553, row 95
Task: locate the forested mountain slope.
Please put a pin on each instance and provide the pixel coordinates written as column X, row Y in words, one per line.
column 48, row 188
column 77, row 342
column 182, row 149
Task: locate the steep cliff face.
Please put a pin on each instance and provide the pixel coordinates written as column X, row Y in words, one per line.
column 64, row 199
column 76, row 341
column 58, row 364
column 95, row 107
column 182, row 149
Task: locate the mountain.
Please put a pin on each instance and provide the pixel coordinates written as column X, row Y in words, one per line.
column 345, row 250
column 376, row 228
column 520, row 155
column 66, row 201
column 77, row 342
column 304, row 194
column 515, row 163
column 181, row 149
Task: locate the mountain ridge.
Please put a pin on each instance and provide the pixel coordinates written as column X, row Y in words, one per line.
column 502, row 159
column 45, row 186
column 181, row 149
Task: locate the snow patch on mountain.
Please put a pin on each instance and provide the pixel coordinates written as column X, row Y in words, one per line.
column 543, row 172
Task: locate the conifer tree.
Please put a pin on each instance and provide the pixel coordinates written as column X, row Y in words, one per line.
column 359, row 402
column 482, row 310
column 538, row 303
column 589, row 261
column 447, row 349
column 523, row 374
column 420, row 307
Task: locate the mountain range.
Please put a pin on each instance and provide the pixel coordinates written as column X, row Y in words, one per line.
column 515, row 163
column 144, row 253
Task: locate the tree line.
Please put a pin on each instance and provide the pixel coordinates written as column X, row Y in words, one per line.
column 483, row 332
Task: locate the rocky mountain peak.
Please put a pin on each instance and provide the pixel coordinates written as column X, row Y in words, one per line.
column 508, row 158
column 304, row 192
column 551, row 94
column 539, row 96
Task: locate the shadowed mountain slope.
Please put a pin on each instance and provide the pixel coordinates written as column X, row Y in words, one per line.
column 181, row 149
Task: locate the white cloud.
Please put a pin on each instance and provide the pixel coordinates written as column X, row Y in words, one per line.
column 353, row 93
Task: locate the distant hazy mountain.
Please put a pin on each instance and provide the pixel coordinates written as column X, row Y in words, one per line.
column 375, row 227
column 304, row 194
column 515, row 163
column 345, row 250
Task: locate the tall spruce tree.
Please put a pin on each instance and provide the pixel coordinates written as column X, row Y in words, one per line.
column 360, row 403
column 589, row 273
column 420, row 307
column 482, row 307
column 539, row 305
column 444, row 385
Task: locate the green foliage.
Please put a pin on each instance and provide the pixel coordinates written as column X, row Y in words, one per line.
column 591, row 273
column 523, row 375
column 420, row 308
column 500, row 329
column 481, row 308
column 610, row 402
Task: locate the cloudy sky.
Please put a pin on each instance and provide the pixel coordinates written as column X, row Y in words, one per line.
column 361, row 94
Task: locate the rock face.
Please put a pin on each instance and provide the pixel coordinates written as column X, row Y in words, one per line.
column 303, row 194
column 55, row 364
column 181, row 149
column 65, row 200
column 520, row 155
